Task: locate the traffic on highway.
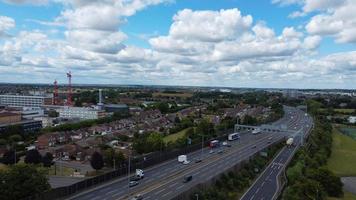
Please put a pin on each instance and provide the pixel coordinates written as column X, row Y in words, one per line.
column 267, row 185
column 172, row 178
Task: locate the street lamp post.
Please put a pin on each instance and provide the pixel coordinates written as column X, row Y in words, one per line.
column 202, row 145
column 128, row 174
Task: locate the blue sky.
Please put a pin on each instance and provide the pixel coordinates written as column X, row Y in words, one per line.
column 255, row 43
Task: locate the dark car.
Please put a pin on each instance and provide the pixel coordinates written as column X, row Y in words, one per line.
column 133, row 183
column 254, row 147
column 220, row 151
column 198, row 160
column 137, row 197
column 187, row 179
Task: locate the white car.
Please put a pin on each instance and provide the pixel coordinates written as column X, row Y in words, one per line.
column 186, row 162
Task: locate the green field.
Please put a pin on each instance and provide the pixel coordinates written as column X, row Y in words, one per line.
column 347, row 196
column 175, row 136
column 2, row 166
column 61, row 171
column 344, row 110
column 340, row 110
column 349, row 132
column 343, row 157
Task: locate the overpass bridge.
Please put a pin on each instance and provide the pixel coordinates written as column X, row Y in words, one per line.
column 264, row 128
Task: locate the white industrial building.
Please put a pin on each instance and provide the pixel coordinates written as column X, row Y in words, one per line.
column 352, row 119
column 24, row 101
column 80, row 113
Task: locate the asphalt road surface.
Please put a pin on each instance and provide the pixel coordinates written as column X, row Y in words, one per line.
column 266, row 186
column 165, row 181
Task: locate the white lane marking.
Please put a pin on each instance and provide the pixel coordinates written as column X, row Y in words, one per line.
column 180, row 187
column 116, row 194
column 174, row 184
column 113, row 191
column 258, row 189
column 159, row 191
column 168, row 193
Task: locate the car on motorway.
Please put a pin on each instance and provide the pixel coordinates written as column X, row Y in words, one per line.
column 254, row 147
column 226, row 144
column 135, row 178
column 198, row 160
column 211, row 151
column 220, row 151
column 137, row 197
column 186, row 162
column 187, row 179
column 133, row 183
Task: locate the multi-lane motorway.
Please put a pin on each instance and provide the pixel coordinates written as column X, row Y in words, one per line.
column 267, row 186
column 165, row 181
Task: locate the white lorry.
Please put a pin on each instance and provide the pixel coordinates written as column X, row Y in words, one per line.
column 256, row 131
column 138, row 175
column 289, row 142
column 183, row 159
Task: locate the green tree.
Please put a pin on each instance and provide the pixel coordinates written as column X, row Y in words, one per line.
column 163, row 107
column 47, row 159
column 155, row 141
column 97, row 161
column 249, row 120
column 15, row 138
column 205, row 127
column 3, row 142
column 295, row 172
column 111, row 157
column 53, row 113
column 33, row 157
column 331, row 183
column 9, row 158
column 22, row 181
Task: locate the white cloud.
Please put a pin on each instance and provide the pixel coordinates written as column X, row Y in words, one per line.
column 336, row 18
column 290, row 32
column 221, row 47
column 6, row 23
column 34, row 2
column 297, row 14
column 209, row 26
column 313, row 5
column 312, row 42
column 262, row 31
column 340, row 23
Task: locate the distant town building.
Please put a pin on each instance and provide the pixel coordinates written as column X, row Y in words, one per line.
column 31, row 113
column 46, row 121
column 9, row 117
column 80, row 113
column 352, row 119
column 24, row 101
column 25, row 125
column 120, row 108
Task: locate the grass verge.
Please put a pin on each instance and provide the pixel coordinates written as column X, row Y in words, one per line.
column 343, row 157
column 347, row 196
column 175, row 136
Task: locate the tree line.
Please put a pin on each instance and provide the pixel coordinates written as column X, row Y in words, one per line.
column 308, row 177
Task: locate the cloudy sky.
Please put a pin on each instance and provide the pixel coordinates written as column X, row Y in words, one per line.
column 236, row 43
